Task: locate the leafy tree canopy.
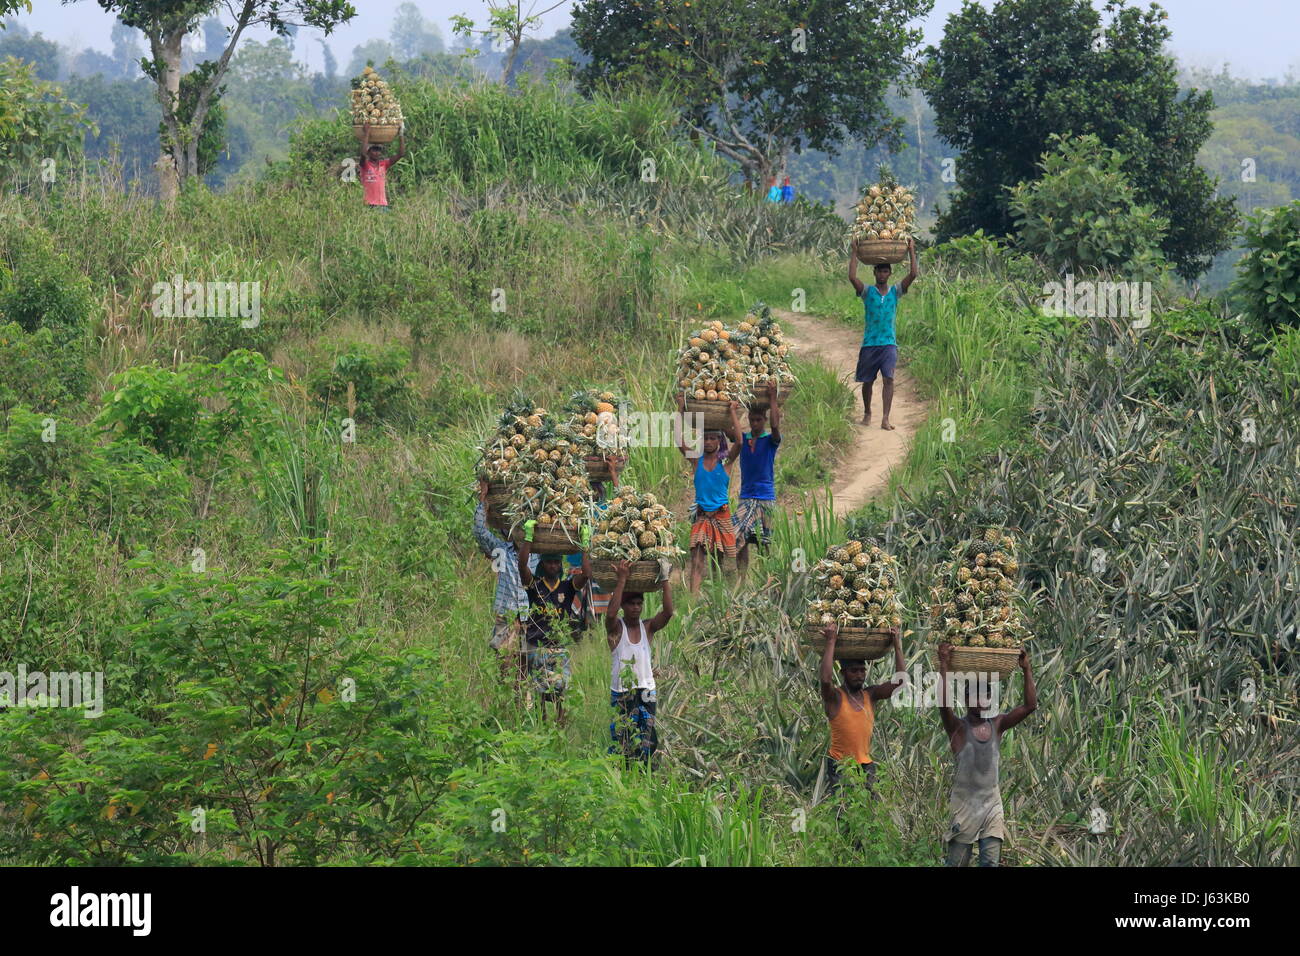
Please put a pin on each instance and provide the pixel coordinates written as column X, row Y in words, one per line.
column 758, row 78
column 1002, row 81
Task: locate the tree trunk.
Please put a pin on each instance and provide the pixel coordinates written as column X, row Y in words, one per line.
column 510, row 60
column 169, row 82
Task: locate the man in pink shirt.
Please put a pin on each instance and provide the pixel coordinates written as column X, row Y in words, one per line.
column 374, row 168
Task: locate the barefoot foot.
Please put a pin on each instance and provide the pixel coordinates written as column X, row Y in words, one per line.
column 886, row 426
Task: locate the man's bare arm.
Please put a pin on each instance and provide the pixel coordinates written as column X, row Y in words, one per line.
column 853, row 272
column 913, row 271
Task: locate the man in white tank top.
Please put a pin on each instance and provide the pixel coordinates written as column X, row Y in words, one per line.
column 632, row 679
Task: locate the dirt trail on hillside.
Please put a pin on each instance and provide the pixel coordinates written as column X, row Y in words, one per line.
column 862, row 472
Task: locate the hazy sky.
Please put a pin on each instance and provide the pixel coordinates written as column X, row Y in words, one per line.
column 1256, row 38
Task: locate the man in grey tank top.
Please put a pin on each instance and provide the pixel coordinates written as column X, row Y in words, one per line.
column 976, row 800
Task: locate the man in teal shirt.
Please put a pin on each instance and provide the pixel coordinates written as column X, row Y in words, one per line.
column 879, row 352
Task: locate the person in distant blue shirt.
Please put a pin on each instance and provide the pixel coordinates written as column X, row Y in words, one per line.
column 773, row 190
column 758, row 447
column 787, row 191
column 879, row 352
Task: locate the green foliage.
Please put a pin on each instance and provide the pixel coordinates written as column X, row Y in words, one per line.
column 1004, row 80
column 37, row 123
column 379, row 378
column 39, row 452
column 42, row 289
column 37, row 372
column 1268, row 275
column 171, row 411
column 740, row 80
column 236, row 707
column 1082, row 213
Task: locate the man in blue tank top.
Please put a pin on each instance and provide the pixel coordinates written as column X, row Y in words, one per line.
column 758, row 447
column 713, row 536
column 879, row 351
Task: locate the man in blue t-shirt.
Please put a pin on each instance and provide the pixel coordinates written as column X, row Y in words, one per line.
column 879, row 351
column 757, row 486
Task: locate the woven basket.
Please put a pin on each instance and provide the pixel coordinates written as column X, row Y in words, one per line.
column 378, row 134
column 759, row 402
column 717, row 415
column 598, row 468
column 497, row 497
column 643, row 576
column 549, row 539
column 853, row 643
column 873, row 252
column 991, row 660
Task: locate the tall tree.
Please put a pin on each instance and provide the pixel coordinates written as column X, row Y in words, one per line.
column 1002, row 81
column 127, row 51
column 413, row 35
column 759, row 79
column 507, row 26
column 166, row 24
column 32, row 48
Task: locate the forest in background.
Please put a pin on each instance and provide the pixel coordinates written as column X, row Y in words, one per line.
column 1254, row 149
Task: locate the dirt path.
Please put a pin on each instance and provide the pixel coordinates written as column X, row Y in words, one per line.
column 863, row 471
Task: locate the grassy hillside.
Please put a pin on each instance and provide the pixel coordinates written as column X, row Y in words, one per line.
column 293, row 627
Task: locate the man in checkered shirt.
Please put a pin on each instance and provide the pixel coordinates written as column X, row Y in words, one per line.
column 510, row 603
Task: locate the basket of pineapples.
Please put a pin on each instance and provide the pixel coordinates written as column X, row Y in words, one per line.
column 548, row 484
column 593, row 428
column 975, row 605
column 885, row 220
column 762, row 346
column 373, row 102
column 712, row 375
column 856, row 588
column 501, row 452
column 637, row 528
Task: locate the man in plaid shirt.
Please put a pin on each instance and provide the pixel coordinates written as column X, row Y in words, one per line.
column 510, row 603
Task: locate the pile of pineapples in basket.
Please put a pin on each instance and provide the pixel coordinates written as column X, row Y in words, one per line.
column 373, row 102
column 975, row 599
column 722, row 363
column 974, row 602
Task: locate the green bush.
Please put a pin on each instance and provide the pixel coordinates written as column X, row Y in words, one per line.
column 248, row 705
column 39, row 452
column 1084, row 214
column 36, row 372
column 171, row 411
column 1268, row 275
column 132, row 493
column 379, row 378
column 43, row 290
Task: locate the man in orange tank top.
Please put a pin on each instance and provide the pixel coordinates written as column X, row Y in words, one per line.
column 851, row 709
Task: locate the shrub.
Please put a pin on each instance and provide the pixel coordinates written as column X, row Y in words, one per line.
column 1084, row 214
column 1268, row 277
column 44, row 290
column 170, row 411
column 378, row 376
column 248, row 704
column 156, row 407
column 37, row 373
column 38, row 452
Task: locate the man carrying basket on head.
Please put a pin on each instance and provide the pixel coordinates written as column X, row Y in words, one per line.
column 712, row 534
column 374, row 168
column 851, row 708
column 879, row 352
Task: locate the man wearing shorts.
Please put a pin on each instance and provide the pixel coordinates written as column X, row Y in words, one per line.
column 879, row 351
